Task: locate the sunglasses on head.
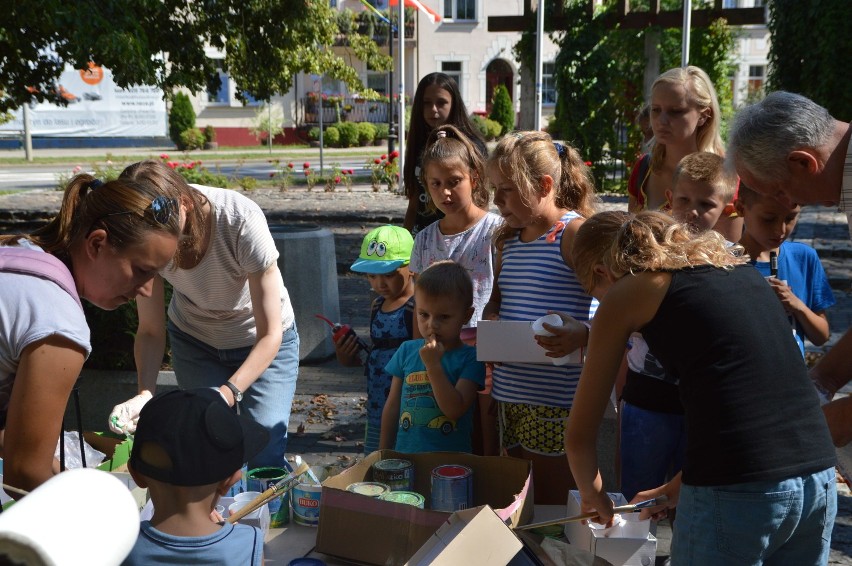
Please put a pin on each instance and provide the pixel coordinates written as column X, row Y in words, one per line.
column 161, row 210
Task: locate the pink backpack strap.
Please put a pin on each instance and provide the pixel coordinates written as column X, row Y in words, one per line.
column 38, row 264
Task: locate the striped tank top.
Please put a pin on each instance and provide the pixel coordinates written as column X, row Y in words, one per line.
column 534, row 279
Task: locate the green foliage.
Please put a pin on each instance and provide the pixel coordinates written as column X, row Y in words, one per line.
column 348, row 133
column 209, row 133
column 480, row 124
column 366, row 133
column 192, row 138
column 314, row 133
column 268, row 121
column 331, row 137
column 266, row 45
column 502, row 111
column 247, row 183
column 181, row 118
column 494, row 129
column 807, row 55
column 382, row 130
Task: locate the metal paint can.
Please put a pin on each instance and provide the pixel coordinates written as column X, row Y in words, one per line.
column 406, row 497
column 396, row 473
column 452, row 488
column 261, row 479
column 368, row 488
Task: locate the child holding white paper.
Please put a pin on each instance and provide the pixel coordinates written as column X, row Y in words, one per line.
column 543, row 190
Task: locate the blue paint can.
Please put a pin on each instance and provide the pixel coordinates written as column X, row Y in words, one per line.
column 452, row 488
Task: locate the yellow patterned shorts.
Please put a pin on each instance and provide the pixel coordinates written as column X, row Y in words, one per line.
column 533, row 427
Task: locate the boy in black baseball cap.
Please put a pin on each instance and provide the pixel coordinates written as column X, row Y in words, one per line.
column 188, row 449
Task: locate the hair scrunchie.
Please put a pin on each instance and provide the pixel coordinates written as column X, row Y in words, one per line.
column 94, row 184
column 560, row 149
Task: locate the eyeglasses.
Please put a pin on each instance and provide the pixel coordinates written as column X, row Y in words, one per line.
column 161, row 210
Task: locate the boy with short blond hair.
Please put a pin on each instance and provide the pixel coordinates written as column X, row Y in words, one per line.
column 793, row 269
column 701, row 191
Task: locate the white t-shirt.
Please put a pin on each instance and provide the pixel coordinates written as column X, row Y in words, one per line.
column 473, row 249
column 31, row 309
column 211, row 301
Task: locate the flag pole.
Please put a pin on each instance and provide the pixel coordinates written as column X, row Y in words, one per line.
column 401, row 128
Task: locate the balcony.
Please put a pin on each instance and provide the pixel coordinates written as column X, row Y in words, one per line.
column 344, row 109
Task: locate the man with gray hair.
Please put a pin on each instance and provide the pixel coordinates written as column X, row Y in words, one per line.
column 790, row 148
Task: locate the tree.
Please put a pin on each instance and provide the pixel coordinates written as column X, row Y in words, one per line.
column 181, row 118
column 162, row 43
column 502, row 111
column 806, row 55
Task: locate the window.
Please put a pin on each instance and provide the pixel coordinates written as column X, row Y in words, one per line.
column 219, row 95
column 454, row 70
column 378, row 82
column 548, row 83
column 460, row 9
column 729, row 3
column 755, row 79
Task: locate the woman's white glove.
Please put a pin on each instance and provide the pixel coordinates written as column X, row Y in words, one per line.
column 124, row 417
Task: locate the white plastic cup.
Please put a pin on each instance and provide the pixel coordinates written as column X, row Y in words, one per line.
column 552, row 319
column 246, row 496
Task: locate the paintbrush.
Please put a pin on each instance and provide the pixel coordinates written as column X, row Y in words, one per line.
column 631, row 508
column 286, row 484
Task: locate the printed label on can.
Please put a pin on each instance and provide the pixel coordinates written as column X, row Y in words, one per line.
column 452, row 488
column 396, row 473
column 306, row 504
column 261, row 479
column 368, row 488
column 406, row 497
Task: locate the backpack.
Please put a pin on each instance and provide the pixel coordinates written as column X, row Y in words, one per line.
column 38, row 264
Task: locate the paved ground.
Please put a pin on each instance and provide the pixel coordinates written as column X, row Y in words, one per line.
column 327, row 423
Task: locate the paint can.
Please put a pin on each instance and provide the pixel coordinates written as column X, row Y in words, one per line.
column 306, row 504
column 368, row 488
column 397, row 474
column 261, row 479
column 406, row 497
column 452, row 488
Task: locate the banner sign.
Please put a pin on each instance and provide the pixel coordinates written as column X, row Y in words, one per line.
column 96, row 108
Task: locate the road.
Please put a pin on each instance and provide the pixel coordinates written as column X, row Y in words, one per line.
column 37, row 176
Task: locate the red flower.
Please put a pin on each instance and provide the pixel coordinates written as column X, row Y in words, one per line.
column 306, row 165
column 198, row 163
column 384, row 156
column 588, row 163
column 272, row 174
column 307, row 172
column 394, row 153
column 377, row 161
column 337, row 179
column 164, row 156
column 290, row 165
column 172, row 164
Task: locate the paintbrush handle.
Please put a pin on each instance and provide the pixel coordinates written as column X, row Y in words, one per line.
column 276, row 490
column 630, row 508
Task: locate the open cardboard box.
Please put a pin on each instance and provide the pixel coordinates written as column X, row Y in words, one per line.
column 632, row 545
column 364, row 529
column 513, row 341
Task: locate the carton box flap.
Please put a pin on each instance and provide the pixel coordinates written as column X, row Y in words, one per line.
column 475, row 535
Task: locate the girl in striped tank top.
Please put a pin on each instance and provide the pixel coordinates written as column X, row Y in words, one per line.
column 543, row 191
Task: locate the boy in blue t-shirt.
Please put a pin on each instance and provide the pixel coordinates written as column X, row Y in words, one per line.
column 798, row 278
column 188, row 450
column 435, row 378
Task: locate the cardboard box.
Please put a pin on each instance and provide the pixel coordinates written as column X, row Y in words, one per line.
column 360, row 528
column 631, row 545
column 116, row 448
column 486, row 540
column 513, row 341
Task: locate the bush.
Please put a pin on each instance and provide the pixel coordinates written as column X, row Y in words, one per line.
column 193, row 138
column 382, row 130
column 331, row 138
column 348, row 134
column 480, row 124
column 209, row 133
column 313, row 133
column 502, row 110
column 366, row 133
column 181, row 118
column 494, row 129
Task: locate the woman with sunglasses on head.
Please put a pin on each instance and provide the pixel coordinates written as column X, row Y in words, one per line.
column 106, row 245
column 230, row 322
